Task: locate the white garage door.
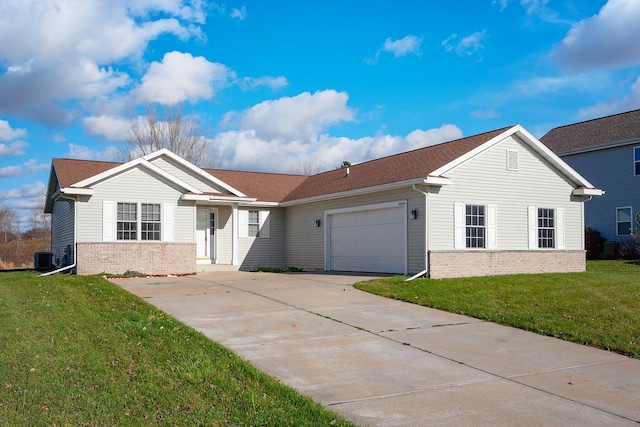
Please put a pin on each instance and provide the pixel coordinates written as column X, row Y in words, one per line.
column 369, row 240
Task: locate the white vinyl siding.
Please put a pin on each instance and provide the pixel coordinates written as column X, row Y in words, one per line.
column 267, row 250
column 485, row 179
column 305, row 243
column 546, row 228
column 62, row 224
column 134, row 186
column 254, row 223
column 475, row 226
column 187, row 176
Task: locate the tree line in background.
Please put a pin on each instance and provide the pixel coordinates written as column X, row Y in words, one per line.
column 17, row 246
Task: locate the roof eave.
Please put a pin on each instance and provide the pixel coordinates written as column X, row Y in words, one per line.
column 437, row 181
column 587, row 192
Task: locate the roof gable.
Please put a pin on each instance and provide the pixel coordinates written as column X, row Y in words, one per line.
column 410, row 165
column 603, row 131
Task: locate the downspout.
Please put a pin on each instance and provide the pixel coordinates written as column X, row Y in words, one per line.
column 424, row 272
column 75, row 237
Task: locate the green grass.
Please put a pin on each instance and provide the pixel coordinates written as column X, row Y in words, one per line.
column 81, row 351
column 600, row 307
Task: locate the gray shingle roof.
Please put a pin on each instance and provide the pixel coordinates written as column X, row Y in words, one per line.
column 592, row 133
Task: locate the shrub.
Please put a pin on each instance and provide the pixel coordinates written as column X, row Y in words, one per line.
column 594, row 243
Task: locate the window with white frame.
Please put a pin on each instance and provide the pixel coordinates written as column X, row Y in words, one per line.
column 127, row 221
column 135, row 221
column 623, row 221
column 636, row 161
column 546, row 228
column 253, row 225
column 475, row 226
column 150, row 221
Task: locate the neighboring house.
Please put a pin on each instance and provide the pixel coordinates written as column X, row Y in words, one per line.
column 607, row 152
column 495, row 203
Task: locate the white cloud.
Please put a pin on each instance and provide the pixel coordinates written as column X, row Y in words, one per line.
column 269, row 81
column 87, row 153
column 629, row 101
column 301, row 116
column 408, row 45
column 111, row 128
column 608, row 39
column 245, row 150
column 424, row 138
column 27, row 168
column 60, row 49
column 501, row 3
column 485, row 114
column 467, row 46
column 239, row 14
column 180, row 77
column 15, row 148
column 7, row 133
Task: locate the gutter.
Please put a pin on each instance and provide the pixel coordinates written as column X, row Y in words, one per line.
column 57, row 196
column 424, row 272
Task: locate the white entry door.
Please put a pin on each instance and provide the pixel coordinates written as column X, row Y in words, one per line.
column 202, row 234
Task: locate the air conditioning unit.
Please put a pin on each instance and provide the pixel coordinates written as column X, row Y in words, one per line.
column 611, row 249
column 43, row 261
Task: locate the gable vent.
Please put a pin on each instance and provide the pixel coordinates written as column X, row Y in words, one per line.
column 512, row 160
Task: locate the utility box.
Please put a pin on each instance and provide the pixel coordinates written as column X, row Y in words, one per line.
column 43, row 261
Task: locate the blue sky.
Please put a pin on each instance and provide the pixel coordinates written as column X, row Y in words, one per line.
column 282, row 82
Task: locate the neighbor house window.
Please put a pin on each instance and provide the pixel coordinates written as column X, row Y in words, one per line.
column 636, row 160
column 475, row 226
column 150, row 221
column 127, row 219
column 253, row 224
column 623, row 221
column 546, row 228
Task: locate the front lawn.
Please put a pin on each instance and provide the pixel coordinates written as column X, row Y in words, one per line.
column 81, row 351
column 600, row 307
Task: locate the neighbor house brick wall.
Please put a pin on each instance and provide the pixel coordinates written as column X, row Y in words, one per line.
column 444, row 264
column 148, row 258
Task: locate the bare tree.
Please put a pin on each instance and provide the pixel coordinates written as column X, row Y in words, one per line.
column 168, row 127
column 41, row 221
column 7, row 222
column 306, row 167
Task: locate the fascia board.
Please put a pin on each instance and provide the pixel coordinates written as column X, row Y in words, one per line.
column 532, row 142
column 131, row 164
column 470, row 154
column 367, row 190
column 587, row 192
column 600, row 147
column 552, row 158
column 216, row 199
column 68, row 191
column 195, row 169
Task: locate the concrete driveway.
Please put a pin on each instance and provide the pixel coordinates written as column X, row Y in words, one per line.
column 381, row 362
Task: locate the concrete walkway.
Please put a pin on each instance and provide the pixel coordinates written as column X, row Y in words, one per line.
column 380, row 362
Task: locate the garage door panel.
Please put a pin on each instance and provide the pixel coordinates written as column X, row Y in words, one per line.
column 369, row 241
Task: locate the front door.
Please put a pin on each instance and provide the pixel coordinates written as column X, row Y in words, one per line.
column 202, row 234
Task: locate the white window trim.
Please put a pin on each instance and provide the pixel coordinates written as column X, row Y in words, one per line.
column 635, row 163
column 110, row 222
column 460, row 226
column 630, row 220
column 264, row 230
column 559, row 228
